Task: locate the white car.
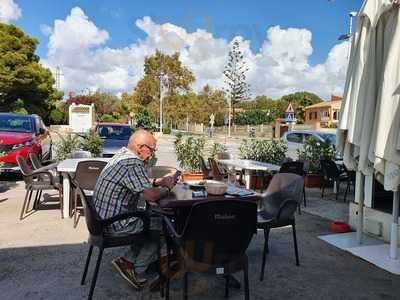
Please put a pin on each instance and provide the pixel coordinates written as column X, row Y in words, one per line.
column 296, row 138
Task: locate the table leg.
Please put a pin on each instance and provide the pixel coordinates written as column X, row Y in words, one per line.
column 247, row 177
column 66, row 191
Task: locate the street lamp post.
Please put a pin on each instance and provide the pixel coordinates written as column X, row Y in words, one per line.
column 347, row 36
column 229, row 117
column 163, row 83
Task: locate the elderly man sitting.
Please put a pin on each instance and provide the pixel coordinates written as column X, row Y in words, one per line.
column 117, row 191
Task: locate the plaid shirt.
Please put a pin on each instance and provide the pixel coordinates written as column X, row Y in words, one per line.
column 119, row 185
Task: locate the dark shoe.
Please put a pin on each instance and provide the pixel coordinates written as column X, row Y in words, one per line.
column 157, row 284
column 127, row 271
column 233, row 282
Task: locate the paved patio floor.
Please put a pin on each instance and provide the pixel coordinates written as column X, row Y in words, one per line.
column 42, row 257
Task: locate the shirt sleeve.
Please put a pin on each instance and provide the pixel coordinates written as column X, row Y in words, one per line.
column 136, row 179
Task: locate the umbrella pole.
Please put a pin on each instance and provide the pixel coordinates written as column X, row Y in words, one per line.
column 359, row 195
column 395, row 226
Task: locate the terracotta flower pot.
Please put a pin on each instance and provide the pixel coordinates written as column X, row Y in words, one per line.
column 313, row 180
column 192, row 176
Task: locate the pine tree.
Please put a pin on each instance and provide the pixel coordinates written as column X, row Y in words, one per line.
column 235, row 78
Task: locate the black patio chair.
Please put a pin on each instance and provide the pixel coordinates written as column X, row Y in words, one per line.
column 279, row 205
column 216, row 172
column 332, row 174
column 207, row 173
column 37, row 181
column 100, row 238
column 85, row 176
column 224, row 155
column 38, row 164
column 215, row 238
column 295, row 167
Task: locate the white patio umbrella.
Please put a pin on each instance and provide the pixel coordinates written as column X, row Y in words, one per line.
column 368, row 131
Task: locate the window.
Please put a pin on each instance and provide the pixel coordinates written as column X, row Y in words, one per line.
column 315, row 115
column 335, row 115
column 114, row 132
column 15, row 123
column 294, row 138
column 310, row 116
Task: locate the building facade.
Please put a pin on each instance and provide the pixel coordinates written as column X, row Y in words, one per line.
column 324, row 114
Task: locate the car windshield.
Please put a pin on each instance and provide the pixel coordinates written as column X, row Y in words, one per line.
column 331, row 138
column 16, row 123
column 114, row 132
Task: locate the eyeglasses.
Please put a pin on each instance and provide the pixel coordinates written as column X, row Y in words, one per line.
column 150, row 148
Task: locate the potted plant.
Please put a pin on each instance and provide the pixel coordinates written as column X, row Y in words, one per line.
column 311, row 154
column 187, row 152
column 268, row 151
column 74, row 142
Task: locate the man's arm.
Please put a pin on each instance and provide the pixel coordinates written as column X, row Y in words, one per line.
column 153, row 195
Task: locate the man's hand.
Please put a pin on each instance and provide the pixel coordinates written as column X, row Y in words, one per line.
column 166, row 181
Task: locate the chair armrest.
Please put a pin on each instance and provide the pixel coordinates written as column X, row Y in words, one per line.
column 138, row 214
column 37, row 173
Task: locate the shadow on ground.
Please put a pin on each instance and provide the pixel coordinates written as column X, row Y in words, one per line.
column 51, row 272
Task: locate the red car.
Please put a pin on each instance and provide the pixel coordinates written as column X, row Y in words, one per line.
column 21, row 135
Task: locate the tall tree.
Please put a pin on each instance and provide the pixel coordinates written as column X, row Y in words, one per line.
column 300, row 100
column 179, row 78
column 235, row 76
column 21, row 74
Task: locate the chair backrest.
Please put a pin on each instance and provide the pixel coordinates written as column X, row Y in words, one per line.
column 26, row 171
column 283, row 187
column 224, row 155
column 35, row 161
column 203, row 166
column 218, row 231
column 295, row 167
column 329, row 169
column 216, row 172
column 92, row 218
column 160, row 171
column 87, row 173
column 81, row 154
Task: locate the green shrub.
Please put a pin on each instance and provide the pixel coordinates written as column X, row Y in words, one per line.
column 56, row 116
column 73, row 142
column 107, row 118
column 92, row 143
column 66, row 146
column 188, row 151
column 167, row 130
column 272, row 151
column 313, row 151
column 217, row 148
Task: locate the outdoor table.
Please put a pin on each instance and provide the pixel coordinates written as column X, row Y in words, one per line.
column 69, row 166
column 181, row 199
column 248, row 166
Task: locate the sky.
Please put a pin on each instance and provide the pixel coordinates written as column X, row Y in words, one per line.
column 288, row 45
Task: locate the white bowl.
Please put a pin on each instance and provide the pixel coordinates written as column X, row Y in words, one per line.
column 216, row 187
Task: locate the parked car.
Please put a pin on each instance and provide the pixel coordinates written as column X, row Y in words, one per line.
column 114, row 136
column 21, row 135
column 296, row 138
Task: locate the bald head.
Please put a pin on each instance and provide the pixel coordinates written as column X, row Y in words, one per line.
column 142, row 143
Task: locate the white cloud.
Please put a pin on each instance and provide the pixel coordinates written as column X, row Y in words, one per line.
column 46, row 29
column 281, row 66
column 9, row 10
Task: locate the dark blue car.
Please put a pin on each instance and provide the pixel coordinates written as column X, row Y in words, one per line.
column 114, row 136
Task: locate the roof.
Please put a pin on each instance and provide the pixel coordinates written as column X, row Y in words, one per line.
column 321, row 104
